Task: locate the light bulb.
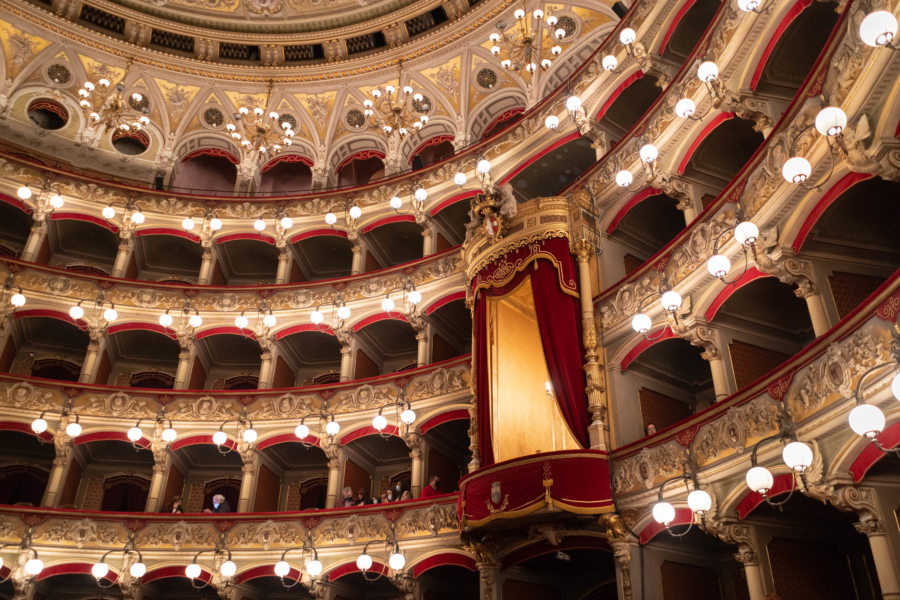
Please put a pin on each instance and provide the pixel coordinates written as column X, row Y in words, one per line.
column 17, row 299
column 282, row 568
column 241, row 322
column 250, row 435
column 187, row 223
column 228, row 568
column 685, row 107
column 331, row 218
column 135, row 433
column 219, row 438
column 573, row 103
column 396, row 202
column 663, row 513
column 215, row 223
column 895, row 386
column 641, row 323
column 259, row 224
column 34, row 567
column 397, row 561
column 798, row 456
column 610, row 62
column 314, row 567
column 108, row 212
column 867, row 420
column 137, row 570
column 192, row 571
column 379, row 422
column 387, row 305
column 421, row 194
column 39, row 426
column 302, row 431
column 76, row 312
column 99, row 570
column 649, row 153
column 269, row 320
column 408, row 416
column 708, row 71
column 195, row 321
column 483, row 166
column 748, row 5
column 110, row 314
column 519, row 13
column 355, row 212
column 24, row 192
column 699, row 501
column 414, row 297
column 746, row 232
column 878, row 28
column 831, row 121
column 624, row 178
column 165, row 319
column 316, row 317
column 671, row 300
column 343, row 312
column 459, row 179
column 364, row 562
column 759, row 480
column 286, row 222
column 796, row 169
column 73, row 429
column 332, row 428
column 551, row 122
column 169, row 435
column 137, row 217
column 718, row 265
column 56, row 201
column 627, row 36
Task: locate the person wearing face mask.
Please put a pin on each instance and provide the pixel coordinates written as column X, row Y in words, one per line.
column 220, row 505
column 432, row 488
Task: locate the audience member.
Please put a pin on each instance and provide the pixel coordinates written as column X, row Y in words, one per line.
column 220, row 505
column 432, row 488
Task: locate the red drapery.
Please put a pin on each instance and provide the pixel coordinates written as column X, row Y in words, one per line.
column 552, row 272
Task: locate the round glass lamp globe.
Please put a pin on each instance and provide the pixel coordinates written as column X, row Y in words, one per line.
column 302, row 431
column 76, row 312
column 219, row 438
column 138, row 217
column 24, row 192
column 316, row 317
column 699, row 501
column 421, row 194
column 34, row 566
column 718, row 265
column 187, row 223
column 56, row 201
column 314, row 567
column 663, row 512
column 866, row 420
column 17, row 299
column 287, row 222
column 610, row 62
column 228, row 568
column 259, row 224
column 396, row 202
column 331, row 218
column 343, row 312
column 551, row 122
column 73, row 429
column 269, row 320
column 627, row 36
column 355, row 212
column 379, row 422
column 759, row 479
column 671, row 300
column 195, row 321
column 108, row 212
column 215, row 224
column 459, row 179
column 483, row 166
column 282, row 568
column 708, row 71
column 387, row 305
column 649, row 153
column 746, row 232
column 573, row 103
column 192, row 570
column 39, row 426
column 165, row 319
column 624, row 178
column 685, row 107
column 414, row 297
column 99, row 570
column 169, row 435
column 332, row 428
column 748, row 5
column 798, row 456
column 796, row 169
column 397, row 561
column 831, row 121
column 363, row 562
column 250, row 435
column 878, row 28
column 110, row 314
column 241, row 321
column 641, row 323
column 137, row 570
column 895, row 386
column 134, row 434
column 408, row 416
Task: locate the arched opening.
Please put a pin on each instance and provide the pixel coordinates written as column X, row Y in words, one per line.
column 125, row 493
column 447, row 453
column 384, row 347
column 78, row 242
column 287, row 174
column 373, row 463
column 47, row 347
column 722, row 153
column 248, row 262
column 47, row 114
column 451, row 222
column 292, row 476
column 130, row 143
column 141, row 356
column 392, row 244
column 629, row 106
column 114, row 476
column 226, row 361
column 206, row 171
column 15, row 231
column 164, row 257
column 316, row 355
column 322, row 257
column 432, row 151
column 362, row 168
column 436, row 582
column 689, row 29
column 202, row 471
column 552, row 172
column 23, row 477
column 646, row 228
column 74, row 585
column 571, row 569
column 451, row 330
column 763, row 324
column 501, row 122
column 855, row 239
column 790, row 60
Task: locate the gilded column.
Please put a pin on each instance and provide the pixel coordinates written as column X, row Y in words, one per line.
column 335, row 455
column 594, row 383
column 249, row 471
column 123, row 256
column 162, row 462
column 62, row 444
column 94, row 353
column 807, row 290
column 417, row 466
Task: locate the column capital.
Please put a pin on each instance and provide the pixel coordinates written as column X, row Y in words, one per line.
column 413, row 440
column 702, row 336
column 334, row 453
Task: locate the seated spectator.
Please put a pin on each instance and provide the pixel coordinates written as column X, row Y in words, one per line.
column 220, row 505
column 175, row 506
column 348, row 497
column 432, row 488
column 651, row 429
column 404, row 490
column 384, row 498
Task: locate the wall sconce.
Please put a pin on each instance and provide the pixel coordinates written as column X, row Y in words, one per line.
column 796, row 455
column 312, row 565
column 669, row 299
column 73, row 429
column 746, row 233
column 868, row 420
column 137, row 569
column 244, row 428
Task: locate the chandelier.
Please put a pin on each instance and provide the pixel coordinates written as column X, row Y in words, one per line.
column 258, row 134
column 390, row 110
column 106, row 104
column 524, row 46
